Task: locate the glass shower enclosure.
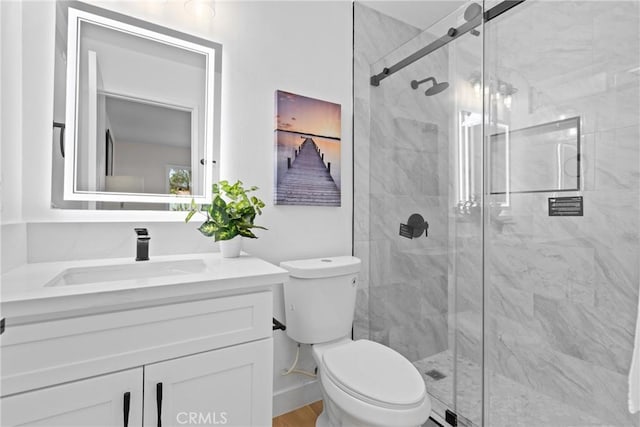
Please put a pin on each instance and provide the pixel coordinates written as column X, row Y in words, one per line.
column 497, row 205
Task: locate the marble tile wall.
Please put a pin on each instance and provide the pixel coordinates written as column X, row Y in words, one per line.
column 401, row 144
column 375, row 35
column 561, row 293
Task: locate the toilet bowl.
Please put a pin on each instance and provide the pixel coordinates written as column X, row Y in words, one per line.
column 367, row 384
column 363, row 383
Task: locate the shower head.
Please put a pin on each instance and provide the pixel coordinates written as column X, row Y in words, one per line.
column 433, row 90
column 472, row 12
column 436, row 88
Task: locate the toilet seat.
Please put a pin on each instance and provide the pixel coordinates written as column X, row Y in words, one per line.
column 375, row 374
column 381, row 404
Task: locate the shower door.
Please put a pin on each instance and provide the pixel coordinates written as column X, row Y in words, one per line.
column 518, row 306
column 423, row 292
column 562, row 212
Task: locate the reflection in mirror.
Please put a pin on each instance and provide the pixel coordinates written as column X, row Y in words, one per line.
column 142, row 140
column 547, row 155
column 469, row 155
column 140, row 130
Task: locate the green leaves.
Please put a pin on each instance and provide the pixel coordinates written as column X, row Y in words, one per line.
column 192, row 212
column 229, row 218
column 208, row 228
column 247, row 233
column 190, row 215
column 218, row 211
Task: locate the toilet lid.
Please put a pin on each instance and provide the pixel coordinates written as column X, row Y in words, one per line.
column 374, row 373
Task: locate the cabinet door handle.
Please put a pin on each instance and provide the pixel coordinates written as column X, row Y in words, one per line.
column 125, row 408
column 159, row 403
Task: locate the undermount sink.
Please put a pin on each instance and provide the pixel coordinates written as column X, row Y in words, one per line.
column 139, row 270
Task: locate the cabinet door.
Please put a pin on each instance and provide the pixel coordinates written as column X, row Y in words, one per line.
column 98, row 401
column 231, row 386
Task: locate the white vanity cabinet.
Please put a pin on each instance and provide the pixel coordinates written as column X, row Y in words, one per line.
column 196, row 352
column 221, row 387
column 203, row 359
column 107, row 400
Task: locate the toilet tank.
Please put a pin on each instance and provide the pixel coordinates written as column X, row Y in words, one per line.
column 320, row 298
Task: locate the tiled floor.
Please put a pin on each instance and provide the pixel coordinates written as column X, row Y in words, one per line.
column 511, row 404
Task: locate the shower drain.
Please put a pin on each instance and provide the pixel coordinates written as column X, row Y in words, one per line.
column 435, row 374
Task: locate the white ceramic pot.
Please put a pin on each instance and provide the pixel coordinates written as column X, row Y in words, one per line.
column 231, row 248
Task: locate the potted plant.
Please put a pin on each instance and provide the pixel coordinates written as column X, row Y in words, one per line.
column 228, row 221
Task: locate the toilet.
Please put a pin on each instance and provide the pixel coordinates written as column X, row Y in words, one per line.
column 363, row 383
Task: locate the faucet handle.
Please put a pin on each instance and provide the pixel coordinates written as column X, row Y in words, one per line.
column 141, row 232
column 142, row 244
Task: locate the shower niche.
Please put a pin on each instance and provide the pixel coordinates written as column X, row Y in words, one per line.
column 538, row 159
column 547, row 158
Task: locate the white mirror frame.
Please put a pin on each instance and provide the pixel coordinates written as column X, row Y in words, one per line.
column 77, row 16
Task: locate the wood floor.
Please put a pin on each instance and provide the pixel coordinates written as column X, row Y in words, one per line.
column 306, row 417
column 301, row 417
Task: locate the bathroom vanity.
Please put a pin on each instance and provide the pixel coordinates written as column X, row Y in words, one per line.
column 171, row 341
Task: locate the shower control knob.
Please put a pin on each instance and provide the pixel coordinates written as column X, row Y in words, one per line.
column 415, row 226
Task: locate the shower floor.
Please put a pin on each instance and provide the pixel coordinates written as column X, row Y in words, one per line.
column 511, row 403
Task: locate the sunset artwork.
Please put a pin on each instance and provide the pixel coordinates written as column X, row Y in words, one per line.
column 307, row 138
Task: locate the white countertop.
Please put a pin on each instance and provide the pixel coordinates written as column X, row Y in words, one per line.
column 25, row 297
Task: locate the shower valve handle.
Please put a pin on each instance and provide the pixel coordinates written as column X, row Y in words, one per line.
column 415, row 226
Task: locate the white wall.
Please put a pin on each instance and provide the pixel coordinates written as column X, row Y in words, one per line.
column 148, row 161
column 11, row 107
column 13, row 232
column 302, row 47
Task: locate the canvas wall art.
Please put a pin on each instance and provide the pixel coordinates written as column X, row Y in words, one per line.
column 307, row 139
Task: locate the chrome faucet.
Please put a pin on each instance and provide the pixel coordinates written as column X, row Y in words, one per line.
column 142, row 246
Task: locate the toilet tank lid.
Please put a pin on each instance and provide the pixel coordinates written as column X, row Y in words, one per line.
column 322, row 267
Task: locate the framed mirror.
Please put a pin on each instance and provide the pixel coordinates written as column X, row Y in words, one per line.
column 141, row 113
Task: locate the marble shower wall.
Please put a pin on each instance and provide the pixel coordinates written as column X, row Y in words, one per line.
column 562, row 292
column 375, row 35
column 401, row 143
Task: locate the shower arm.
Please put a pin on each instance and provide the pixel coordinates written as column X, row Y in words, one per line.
column 451, row 35
column 432, row 79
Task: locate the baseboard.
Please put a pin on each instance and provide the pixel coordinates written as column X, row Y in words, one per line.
column 296, row 397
